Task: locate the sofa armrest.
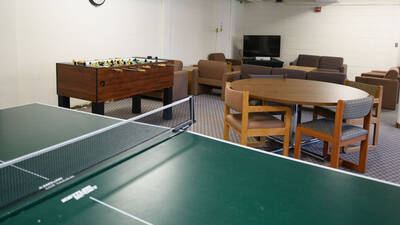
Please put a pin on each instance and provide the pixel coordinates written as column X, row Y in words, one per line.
column 180, row 89
column 235, row 62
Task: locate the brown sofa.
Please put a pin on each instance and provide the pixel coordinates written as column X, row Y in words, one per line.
column 236, row 63
column 390, row 85
column 212, row 74
column 180, row 88
column 323, row 63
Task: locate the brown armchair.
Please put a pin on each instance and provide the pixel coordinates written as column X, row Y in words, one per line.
column 236, row 63
column 212, row 74
column 180, row 88
column 390, row 88
column 390, row 74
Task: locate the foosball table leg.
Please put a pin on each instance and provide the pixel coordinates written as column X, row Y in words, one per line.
column 63, row 101
column 98, row 108
column 167, row 99
column 136, row 104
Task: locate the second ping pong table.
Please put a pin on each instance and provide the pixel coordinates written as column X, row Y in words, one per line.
column 185, row 179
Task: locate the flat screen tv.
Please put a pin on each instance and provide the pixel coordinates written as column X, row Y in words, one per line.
column 261, row 45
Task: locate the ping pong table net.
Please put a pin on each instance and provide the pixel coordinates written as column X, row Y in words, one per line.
column 54, row 165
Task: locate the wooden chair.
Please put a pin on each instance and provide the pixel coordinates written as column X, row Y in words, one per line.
column 253, row 121
column 373, row 90
column 340, row 134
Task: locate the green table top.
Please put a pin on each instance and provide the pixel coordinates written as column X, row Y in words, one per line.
column 32, row 127
column 191, row 179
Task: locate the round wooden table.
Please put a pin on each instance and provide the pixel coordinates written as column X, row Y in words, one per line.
column 297, row 92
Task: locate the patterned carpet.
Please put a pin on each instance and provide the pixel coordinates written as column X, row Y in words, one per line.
column 383, row 162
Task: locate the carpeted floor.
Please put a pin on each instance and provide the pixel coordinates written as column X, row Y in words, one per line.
column 383, row 162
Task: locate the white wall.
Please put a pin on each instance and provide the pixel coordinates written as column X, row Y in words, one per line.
column 8, row 54
column 40, row 33
column 362, row 32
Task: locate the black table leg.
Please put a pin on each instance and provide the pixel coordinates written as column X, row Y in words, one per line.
column 136, row 104
column 98, row 108
column 63, row 101
column 167, row 99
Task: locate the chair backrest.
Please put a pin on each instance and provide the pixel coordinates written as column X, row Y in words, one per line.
column 266, row 76
column 234, row 99
column 217, row 57
column 357, row 108
column 373, row 90
column 330, row 62
column 212, row 69
column 247, row 69
column 308, row 60
column 331, row 77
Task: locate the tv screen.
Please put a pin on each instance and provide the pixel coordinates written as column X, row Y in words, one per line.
column 261, row 45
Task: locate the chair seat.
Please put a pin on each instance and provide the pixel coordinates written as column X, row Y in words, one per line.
column 256, row 121
column 326, row 126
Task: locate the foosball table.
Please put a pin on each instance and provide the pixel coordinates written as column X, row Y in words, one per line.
column 100, row 81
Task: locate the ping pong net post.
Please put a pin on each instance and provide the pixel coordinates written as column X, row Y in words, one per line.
column 47, row 168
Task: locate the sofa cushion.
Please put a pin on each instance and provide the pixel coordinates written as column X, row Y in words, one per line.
column 210, row 82
column 296, row 74
column 328, row 62
column 247, row 69
column 278, row 71
column 212, row 69
column 331, row 77
column 308, row 60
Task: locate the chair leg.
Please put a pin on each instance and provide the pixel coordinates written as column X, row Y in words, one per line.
column 243, row 139
column 326, row 149
column 299, row 115
column 297, row 143
column 362, row 161
column 335, row 155
column 376, row 134
column 226, row 131
column 315, row 114
column 286, row 140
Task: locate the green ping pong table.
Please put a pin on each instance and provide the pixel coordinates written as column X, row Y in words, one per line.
column 185, row 179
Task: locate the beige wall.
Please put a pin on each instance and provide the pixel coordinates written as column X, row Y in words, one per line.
column 37, row 34
column 363, row 32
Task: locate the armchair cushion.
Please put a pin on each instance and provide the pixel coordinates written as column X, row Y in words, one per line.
column 308, row 60
column 327, row 126
column 212, row 69
column 217, row 57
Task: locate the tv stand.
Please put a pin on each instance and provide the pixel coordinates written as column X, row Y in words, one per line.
column 271, row 63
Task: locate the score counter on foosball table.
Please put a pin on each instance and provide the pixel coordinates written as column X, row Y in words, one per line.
column 108, row 80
